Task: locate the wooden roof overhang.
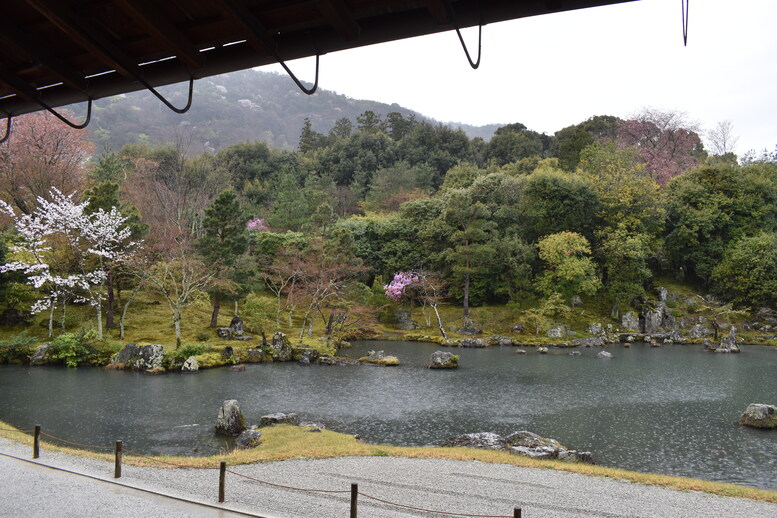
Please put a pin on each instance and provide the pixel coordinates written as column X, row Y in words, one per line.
column 58, row 52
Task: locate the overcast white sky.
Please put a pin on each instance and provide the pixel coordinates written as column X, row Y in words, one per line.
column 552, row 71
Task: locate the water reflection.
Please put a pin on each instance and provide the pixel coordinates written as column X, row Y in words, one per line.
column 670, row 410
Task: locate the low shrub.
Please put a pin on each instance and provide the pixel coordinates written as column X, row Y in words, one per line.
column 74, row 349
column 17, row 348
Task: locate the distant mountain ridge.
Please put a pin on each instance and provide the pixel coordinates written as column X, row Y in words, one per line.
column 240, row 106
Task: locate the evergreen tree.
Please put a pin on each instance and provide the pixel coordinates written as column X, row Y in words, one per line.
column 472, row 229
column 225, row 240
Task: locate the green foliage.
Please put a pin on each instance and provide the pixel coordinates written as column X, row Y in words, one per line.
column 748, row 272
column 17, row 348
column 624, row 258
column 258, row 313
column 570, row 271
column 74, row 349
column 553, row 201
column 710, row 207
column 629, row 198
column 187, row 349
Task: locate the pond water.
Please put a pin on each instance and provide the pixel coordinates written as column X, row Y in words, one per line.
column 671, row 410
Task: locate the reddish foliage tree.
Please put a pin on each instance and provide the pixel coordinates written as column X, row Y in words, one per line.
column 41, row 153
column 667, row 142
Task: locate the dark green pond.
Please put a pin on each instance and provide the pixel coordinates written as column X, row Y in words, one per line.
column 671, row 410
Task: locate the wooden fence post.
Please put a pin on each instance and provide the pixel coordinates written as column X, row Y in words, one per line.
column 36, row 443
column 517, row 512
column 354, row 499
column 222, row 479
column 117, row 463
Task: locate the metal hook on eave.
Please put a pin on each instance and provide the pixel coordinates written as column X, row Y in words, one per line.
column 66, row 121
column 475, row 64
column 165, row 101
column 7, row 130
column 308, row 91
column 684, row 4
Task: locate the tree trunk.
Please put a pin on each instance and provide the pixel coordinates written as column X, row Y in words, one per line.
column 237, row 313
column 466, row 295
column 214, row 318
column 124, row 312
column 51, row 319
column 109, row 307
column 64, row 314
column 177, row 325
column 99, row 310
column 439, row 322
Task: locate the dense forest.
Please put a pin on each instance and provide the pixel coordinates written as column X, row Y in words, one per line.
column 380, row 211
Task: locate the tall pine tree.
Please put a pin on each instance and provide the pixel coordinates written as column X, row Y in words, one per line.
column 225, row 240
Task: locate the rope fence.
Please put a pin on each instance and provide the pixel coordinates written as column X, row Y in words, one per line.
column 354, row 491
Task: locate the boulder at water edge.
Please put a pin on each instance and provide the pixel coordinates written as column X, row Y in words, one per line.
column 190, row 365
column 729, row 343
column 248, row 438
column 604, row 354
column 443, row 360
column 230, row 420
column 140, row 357
column 759, row 416
column 42, row 355
column 281, row 347
column 278, row 418
column 481, row 440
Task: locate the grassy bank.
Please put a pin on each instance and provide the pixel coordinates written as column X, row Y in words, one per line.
column 293, row 442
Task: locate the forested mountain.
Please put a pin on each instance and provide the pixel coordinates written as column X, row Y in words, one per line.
column 243, row 106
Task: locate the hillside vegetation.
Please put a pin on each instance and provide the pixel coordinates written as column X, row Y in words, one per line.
column 388, row 225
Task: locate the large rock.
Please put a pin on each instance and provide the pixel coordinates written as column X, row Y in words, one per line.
column 249, row 438
column 729, row 343
column 654, row 318
column 281, row 347
column 279, row 418
column 630, row 321
column 470, row 328
column 699, row 331
column 140, row 357
column 520, row 443
column 404, row 322
column 443, row 360
column 472, row 342
column 236, row 327
column 595, row 329
column 190, row 365
column 235, row 331
column 481, row 440
column 557, row 332
column 230, row 420
column 42, row 356
column 758, row 415
column 604, row 354
column 532, row 445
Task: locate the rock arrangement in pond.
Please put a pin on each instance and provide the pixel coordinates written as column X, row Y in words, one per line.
column 279, row 418
column 249, row 438
column 191, row 365
column 230, row 420
column 443, row 360
column 380, row 358
column 139, row 357
column 728, row 344
column 758, row 415
column 523, row 443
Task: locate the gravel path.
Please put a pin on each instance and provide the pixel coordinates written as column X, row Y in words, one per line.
column 454, row 486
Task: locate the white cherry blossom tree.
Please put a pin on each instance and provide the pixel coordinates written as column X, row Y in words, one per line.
column 60, row 227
